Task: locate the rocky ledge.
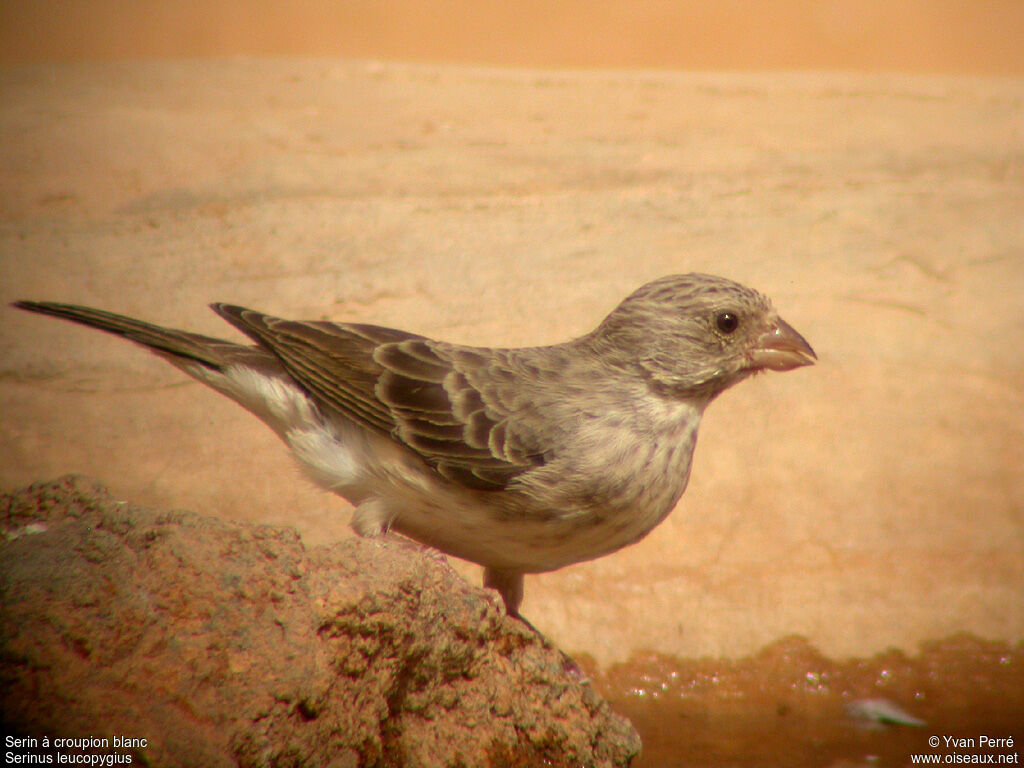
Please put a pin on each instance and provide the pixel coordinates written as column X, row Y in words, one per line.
column 203, row 642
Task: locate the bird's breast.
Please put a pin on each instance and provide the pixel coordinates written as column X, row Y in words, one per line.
column 618, row 477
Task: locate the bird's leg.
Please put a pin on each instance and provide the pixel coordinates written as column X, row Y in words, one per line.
column 510, row 586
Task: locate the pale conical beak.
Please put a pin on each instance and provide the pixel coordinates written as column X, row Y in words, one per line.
column 781, row 349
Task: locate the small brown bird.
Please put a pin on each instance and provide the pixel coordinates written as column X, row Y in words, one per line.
column 521, row 460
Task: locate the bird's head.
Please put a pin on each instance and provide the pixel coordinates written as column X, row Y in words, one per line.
column 696, row 335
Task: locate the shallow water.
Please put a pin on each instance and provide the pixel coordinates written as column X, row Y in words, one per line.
column 788, row 706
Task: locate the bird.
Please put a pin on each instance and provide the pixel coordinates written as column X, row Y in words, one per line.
column 522, row 460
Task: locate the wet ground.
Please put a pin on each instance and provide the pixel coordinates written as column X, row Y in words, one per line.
column 790, row 706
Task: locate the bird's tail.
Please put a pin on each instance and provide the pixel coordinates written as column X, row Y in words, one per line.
column 179, row 347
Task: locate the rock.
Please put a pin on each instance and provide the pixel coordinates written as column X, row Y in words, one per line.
column 227, row 644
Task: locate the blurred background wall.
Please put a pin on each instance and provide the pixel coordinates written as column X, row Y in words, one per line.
column 936, row 36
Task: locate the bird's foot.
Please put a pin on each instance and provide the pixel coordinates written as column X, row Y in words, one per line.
column 569, row 665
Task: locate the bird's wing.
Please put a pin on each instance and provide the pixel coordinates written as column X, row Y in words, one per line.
column 426, row 395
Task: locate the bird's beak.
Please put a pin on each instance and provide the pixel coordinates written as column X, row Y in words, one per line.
column 781, row 348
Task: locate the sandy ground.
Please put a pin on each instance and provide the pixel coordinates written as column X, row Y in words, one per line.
column 875, row 499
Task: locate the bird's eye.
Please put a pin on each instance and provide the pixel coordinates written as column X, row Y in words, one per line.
column 727, row 322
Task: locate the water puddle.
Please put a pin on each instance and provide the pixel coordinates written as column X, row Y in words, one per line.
column 788, row 705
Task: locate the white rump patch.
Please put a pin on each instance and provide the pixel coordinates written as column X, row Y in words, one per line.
column 329, row 462
column 274, row 399
column 323, row 453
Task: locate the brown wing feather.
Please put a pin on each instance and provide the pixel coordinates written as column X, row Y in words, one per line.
column 409, row 387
